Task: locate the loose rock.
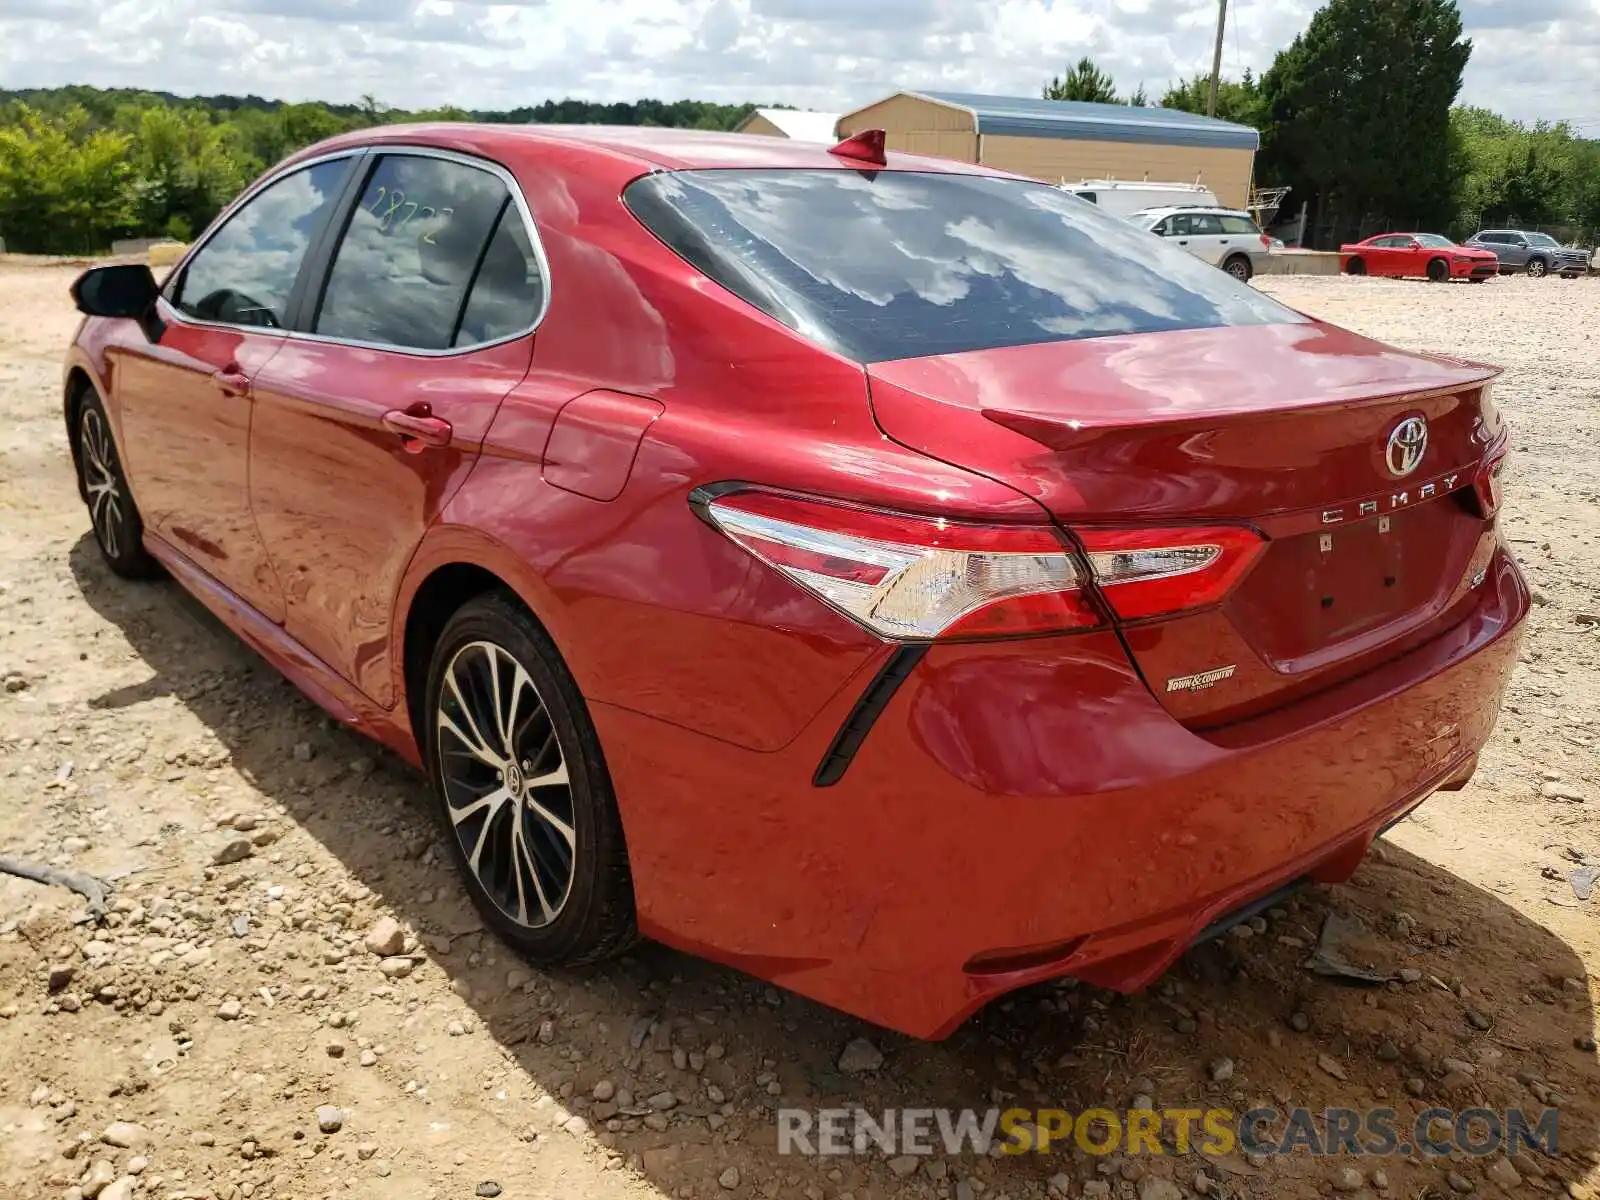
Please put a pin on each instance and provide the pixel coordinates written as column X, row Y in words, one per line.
column 729, row 1179
column 385, row 939
column 859, row 1057
column 330, row 1118
column 235, row 851
column 125, row 1135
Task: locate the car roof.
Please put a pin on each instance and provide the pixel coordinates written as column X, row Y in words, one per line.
column 649, row 147
column 1167, row 209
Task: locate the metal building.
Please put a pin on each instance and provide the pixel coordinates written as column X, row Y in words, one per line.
column 1067, row 140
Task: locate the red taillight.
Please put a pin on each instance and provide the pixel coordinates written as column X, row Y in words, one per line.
column 1266, row 242
column 1486, row 485
column 1157, row 572
column 913, row 578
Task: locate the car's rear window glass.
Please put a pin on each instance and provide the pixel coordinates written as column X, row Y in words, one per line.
column 896, row 264
column 1232, row 224
column 412, row 248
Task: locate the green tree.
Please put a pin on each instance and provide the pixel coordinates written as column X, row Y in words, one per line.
column 1237, row 100
column 64, row 185
column 1083, row 81
column 1357, row 111
column 1139, row 99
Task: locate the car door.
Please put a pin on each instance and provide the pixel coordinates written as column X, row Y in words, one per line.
column 1207, row 239
column 1512, row 250
column 1180, row 230
column 371, row 415
column 186, row 404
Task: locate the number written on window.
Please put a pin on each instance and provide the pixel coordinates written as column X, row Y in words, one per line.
column 423, row 231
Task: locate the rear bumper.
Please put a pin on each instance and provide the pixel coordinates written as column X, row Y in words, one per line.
column 1027, row 809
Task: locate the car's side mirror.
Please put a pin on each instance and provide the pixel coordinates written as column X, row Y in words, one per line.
column 1415, row 244
column 126, row 291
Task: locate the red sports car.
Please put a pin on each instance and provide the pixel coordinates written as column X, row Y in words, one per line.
column 1423, row 255
column 893, row 578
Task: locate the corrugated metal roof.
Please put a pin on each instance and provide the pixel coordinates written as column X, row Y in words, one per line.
column 800, row 124
column 1080, row 120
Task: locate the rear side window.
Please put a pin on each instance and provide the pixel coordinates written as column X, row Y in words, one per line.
column 424, row 230
column 1206, row 224
column 898, row 264
column 244, row 273
column 1239, row 225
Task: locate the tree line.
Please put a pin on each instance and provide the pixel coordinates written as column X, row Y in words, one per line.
column 81, row 166
column 1358, row 116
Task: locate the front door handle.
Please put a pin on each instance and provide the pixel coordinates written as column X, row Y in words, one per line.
column 232, row 380
column 418, row 428
column 1183, row 241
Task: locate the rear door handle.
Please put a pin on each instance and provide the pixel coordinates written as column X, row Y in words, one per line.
column 232, row 381
column 417, row 430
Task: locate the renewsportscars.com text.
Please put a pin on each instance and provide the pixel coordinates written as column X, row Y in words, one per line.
column 1380, row 1132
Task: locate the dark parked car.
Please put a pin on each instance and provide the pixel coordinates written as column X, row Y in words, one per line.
column 900, row 580
column 1536, row 253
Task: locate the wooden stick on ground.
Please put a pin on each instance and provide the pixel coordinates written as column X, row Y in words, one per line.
column 92, row 888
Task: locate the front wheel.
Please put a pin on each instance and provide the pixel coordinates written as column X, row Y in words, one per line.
column 1239, row 267
column 1438, row 270
column 118, row 527
column 1356, row 267
column 523, row 790
column 1538, row 268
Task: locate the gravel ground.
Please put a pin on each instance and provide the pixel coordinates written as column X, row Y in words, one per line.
column 291, row 997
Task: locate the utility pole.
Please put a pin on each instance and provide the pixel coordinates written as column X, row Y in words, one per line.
column 1216, row 59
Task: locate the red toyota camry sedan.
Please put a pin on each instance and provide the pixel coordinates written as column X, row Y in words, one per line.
column 893, row 578
column 1419, row 255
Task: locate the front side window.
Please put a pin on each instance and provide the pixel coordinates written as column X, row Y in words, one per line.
column 423, row 230
column 1542, row 239
column 879, row 265
column 244, row 273
column 1434, row 242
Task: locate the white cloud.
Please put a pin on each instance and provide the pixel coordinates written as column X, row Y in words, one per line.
column 1533, row 58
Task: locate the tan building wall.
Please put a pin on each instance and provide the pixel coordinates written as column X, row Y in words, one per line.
column 907, row 113
column 1226, row 172
column 756, row 123
column 916, row 126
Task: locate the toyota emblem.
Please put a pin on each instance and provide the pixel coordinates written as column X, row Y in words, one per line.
column 1407, row 444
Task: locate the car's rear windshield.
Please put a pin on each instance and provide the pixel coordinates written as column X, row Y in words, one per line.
column 880, row 265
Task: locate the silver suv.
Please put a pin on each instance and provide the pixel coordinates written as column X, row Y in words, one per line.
column 1538, row 254
column 1224, row 237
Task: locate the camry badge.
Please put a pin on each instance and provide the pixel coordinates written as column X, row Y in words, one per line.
column 1407, row 444
column 1200, row 682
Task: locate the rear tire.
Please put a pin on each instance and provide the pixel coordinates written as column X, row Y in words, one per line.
column 118, row 527
column 1438, row 270
column 1356, row 267
column 1239, row 267
column 1538, row 268
column 523, row 790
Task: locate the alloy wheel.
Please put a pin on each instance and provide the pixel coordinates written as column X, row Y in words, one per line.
column 1239, row 269
column 103, row 483
column 506, row 785
column 1536, row 268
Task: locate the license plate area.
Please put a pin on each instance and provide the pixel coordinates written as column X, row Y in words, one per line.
column 1314, row 591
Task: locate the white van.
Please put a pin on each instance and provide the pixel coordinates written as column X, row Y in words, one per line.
column 1122, row 198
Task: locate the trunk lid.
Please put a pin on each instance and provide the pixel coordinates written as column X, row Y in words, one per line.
column 1289, row 429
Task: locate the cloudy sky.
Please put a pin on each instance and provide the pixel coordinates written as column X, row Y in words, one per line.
column 1532, row 58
